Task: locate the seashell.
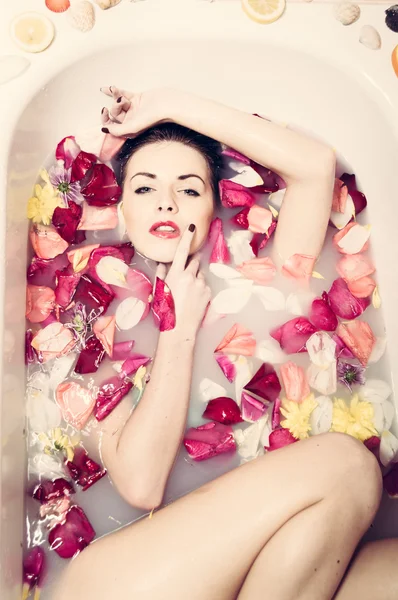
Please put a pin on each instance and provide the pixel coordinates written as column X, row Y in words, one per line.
column 12, row 67
column 347, row 12
column 370, row 37
column 105, row 4
column 81, row 15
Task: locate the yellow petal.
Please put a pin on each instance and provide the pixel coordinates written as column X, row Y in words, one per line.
column 81, row 265
column 69, row 453
column 25, row 591
column 37, row 593
column 151, row 513
column 273, row 210
column 376, row 300
column 317, row 275
column 45, row 177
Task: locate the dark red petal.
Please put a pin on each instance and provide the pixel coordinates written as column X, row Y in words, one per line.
column 358, row 198
column 109, row 395
column 321, row 314
column 223, row 410
column 163, row 306
column 81, row 165
column 30, row 353
column 93, row 295
column 67, row 150
column 127, row 249
column 72, row 536
column 34, row 566
column 280, row 438
column 209, row 440
column 260, row 240
column 102, row 188
column 241, row 218
column 49, row 490
column 233, row 194
column 230, row 152
column 293, row 335
column 133, row 363
column 42, row 271
column 66, row 220
column 265, row 383
column 84, row 470
column 67, row 282
column 90, row 357
column 390, row 481
column 271, row 181
column 343, row 303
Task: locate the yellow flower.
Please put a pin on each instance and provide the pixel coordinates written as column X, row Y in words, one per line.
column 356, row 419
column 42, row 205
column 297, row 416
column 139, row 378
column 57, row 441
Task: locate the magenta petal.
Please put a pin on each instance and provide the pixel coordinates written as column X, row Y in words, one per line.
column 343, row 303
column 122, row 350
column 132, row 364
column 233, row 194
column 72, row 536
column 271, row 181
column 67, row 282
column 163, row 306
column 102, row 188
column 241, row 218
column 265, row 383
column 252, row 409
column 93, row 295
column 276, row 414
column 109, row 395
column 90, row 357
column 209, row 440
column 260, row 240
column 30, row 353
column 279, row 438
column 84, row 470
column 293, row 335
column 66, row 220
column 236, row 155
column 127, row 249
column 49, row 490
column 34, row 565
column 226, row 366
column 321, row 314
column 223, row 410
column 220, row 252
column 42, row 271
column 81, row 165
column 67, row 150
column 341, row 349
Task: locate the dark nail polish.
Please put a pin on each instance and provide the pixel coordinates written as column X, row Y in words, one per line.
column 105, row 130
column 110, row 89
column 102, row 111
column 119, row 99
column 192, row 228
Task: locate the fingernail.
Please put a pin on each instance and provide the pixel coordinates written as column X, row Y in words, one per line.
column 110, row 88
column 192, row 228
column 102, row 111
column 119, row 99
column 105, row 130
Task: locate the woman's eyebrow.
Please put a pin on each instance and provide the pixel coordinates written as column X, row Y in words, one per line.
column 181, row 177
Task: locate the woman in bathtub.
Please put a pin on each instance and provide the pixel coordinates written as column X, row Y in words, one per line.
column 285, row 525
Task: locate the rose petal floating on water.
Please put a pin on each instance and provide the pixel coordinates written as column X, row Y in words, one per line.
column 362, row 288
column 46, row 241
column 208, row 390
column 101, row 188
column 53, row 341
column 223, row 410
column 209, row 440
column 271, row 298
column 376, row 300
column 42, row 464
column 40, row 302
column 67, row 282
column 276, row 198
column 293, row 335
column 378, row 349
column 384, row 415
column 59, row 369
column 238, row 340
column 294, row 382
column 279, row 438
column 321, row 379
column 265, row 383
column 276, row 414
column 79, row 257
column 90, row 357
column 114, row 252
column 299, row 267
column 93, row 296
column 132, row 364
column 390, row 481
column 229, row 302
column 76, row 403
column 375, row 390
column 109, row 395
column 112, row 271
column 84, row 470
column 67, row 150
column 104, row 330
column 66, row 221
column 260, row 240
column 322, row 315
column 269, row 351
column 230, row 152
column 388, row 448
column 341, row 348
column 42, row 272
column 321, row 416
column 259, row 219
column 163, row 306
column 223, row 271
column 358, row 198
column 248, row 440
column 244, row 372
column 239, row 245
column 30, row 354
column 358, row 337
column 220, row 253
column 354, row 267
column 259, row 270
column 241, row 218
column 340, row 220
column 81, row 165
column 140, row 285
column 321, row 349
column 340, row 194
column 343, row 303
column 352, row 239
column 233, row 194
column 226, row 366
column 245, row 176
column 48, row 490
column 72, row 536
column 252, row 409
column 129, row 313
column 34, row 569
column 122, row 350
column 110, row 147
column 98, row 219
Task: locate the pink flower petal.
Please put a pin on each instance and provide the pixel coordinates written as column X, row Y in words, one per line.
column 132, row 364
column 341, row 348
column 220, row 252
column 90, row 357
column 72, row 536
column 340, row 194
column 241, row 218
column 390, row 481
column 358, row 198
column 81, row 165
column 358, row 337
column 293, row 335
column 322, row 315
column 265, row 383
column 163, row 306
column 259, row 219
column 84, row 470
column 352, row 239
column 40, row 302
column 230, row 152
column 76, row 403
column 209, row 440
column 109, row 395
column 66, row 221
column 67, row 282
column 362, row 288
column 353, row 267
column 259, row 270
column 129, row 313
column 280, row 438
column 238, row 340
column 101, row 189
column 252, row 409
column 104, row 330
column 299, row 266
column 46, row 241
column 34, row 567
column 226, row 366
column 42, row 272
column 53, row 341
column 276, row 413
column 140, row 286
column 98, row 219
column 223, row 410
column 233, row 194
column 343, row 303
column 67, row 150
column 110, row 147
column 122, row 350
column 294, row 382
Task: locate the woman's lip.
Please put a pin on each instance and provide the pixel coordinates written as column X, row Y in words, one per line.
column 165, row 234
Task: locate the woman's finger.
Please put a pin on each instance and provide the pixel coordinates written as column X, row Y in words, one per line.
column 183, row 248
column 193, row 266
column 201, row 275
column 107, row 118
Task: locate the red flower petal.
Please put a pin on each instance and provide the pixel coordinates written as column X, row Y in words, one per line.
column 359, row 338
column 238, row 340
column 81, row 165
column 293, row 335
column 122, row 350
column 40, row 302
column 163, row 306
column 104, row 330
column 236, row 155
column 340, row 194
column 30, row 354
column 127, row 249
column 358, row 198
column 260, row 240
column 83, row 469
column 67, row 282
column 223, row 410
column 276, row 414
column 390, row 481
column 343, row 303
column 49, row 490
column 132, row 364
column 252, row 409
column 265, row 383
column 90, row 357
column 67, row 150
column 42, row 272
column 102, row 188
column 92, row 295
column 220, row 252
column 109, row 395
column 241, row 218
column 66, row 220
column 226, row 366
column 233, row 194
column 209, row 440
column 34, row 566
column 322, row 315
column 72, row 536
column 279, row 438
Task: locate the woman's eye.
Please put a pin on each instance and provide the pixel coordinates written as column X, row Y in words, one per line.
column 190, row 192
column 142, row 190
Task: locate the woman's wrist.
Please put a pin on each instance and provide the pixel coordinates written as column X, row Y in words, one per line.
column 179, row 336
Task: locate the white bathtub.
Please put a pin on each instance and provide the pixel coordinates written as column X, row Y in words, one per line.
column 305, row 69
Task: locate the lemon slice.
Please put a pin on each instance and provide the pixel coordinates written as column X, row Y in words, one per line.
column 264, row 11
column 32, row 31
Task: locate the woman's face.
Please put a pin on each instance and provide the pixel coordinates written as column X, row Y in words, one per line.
column 166, row 188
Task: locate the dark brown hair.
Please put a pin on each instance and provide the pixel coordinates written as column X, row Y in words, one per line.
column 173, row 132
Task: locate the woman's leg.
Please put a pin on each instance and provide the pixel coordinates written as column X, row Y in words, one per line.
column 373, row 573
column 203, row 545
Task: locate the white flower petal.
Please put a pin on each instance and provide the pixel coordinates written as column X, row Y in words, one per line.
column 355, row 239
column 60, row 368
column 246, row 176
column 12, row 67
column 90, row 140
column 231, row 301
column 129, row 313
column 378, row 349
column 239, row 245
column 240, row 283
column 208, row 390
column 340, row 220
column 270, row 351
column 321, row 349
column 244, row 372
column 389, row 413
column 271, row 298
column 375, row 390
column 388, row 448
column 276, row 198
column 322, row 380
column 299, row 303
column 223, row 271
column 38, row 384
column 46, row 466
column 117, row 366
column 378, row 417
column 42, row 413
column 321, row 416
column 248, row 439
column 113, row 271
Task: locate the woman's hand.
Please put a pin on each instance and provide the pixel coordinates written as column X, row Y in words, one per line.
column 190, row 293
column 131, row 113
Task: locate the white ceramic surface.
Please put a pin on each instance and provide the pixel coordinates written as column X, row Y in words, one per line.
column 305, row 69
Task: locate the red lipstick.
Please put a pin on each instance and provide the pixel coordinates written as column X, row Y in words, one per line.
column 166, row 230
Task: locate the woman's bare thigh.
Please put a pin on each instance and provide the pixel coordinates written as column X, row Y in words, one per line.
column 203, row 545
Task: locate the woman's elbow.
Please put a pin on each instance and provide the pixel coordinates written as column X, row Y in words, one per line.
column 140, row 497
column 325, row 162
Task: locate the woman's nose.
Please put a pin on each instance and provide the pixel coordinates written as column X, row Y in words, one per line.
column 167, row 204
